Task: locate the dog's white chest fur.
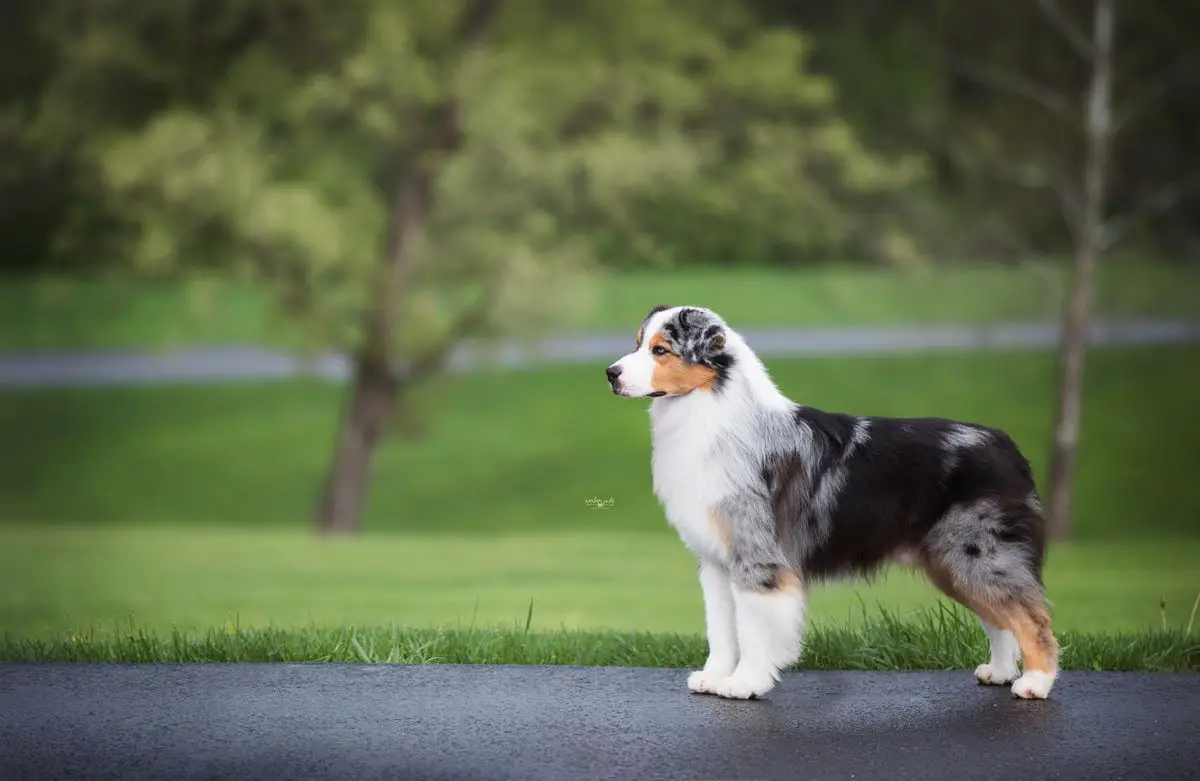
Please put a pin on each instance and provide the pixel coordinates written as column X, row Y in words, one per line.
column 690, row 476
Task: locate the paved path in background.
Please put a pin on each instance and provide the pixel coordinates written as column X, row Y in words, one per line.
column 238, row 364
column 560, row 723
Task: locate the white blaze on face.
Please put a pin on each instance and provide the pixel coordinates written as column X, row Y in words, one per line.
column 637, row 368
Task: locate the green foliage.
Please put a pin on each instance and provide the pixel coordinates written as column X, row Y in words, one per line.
column 733, row 150
column 748, row 100
column 612, row 131
column 292, row 182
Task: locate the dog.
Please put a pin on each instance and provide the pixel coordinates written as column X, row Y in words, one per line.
column 774, row 497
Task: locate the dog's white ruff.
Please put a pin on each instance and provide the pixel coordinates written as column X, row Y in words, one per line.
column 691, row 477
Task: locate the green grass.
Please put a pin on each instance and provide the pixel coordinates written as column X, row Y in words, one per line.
column 121, row 311
column 68, row 580
column 934, row 639
column 182, row 510
column 523, row 451
column 849, row 296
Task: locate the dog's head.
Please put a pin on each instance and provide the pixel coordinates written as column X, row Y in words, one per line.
column 679, row 350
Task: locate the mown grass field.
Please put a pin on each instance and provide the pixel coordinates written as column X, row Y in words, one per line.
column 121, row 312
column 169, row 524
column 187, row 508
column 524, row 451
column 68, row 580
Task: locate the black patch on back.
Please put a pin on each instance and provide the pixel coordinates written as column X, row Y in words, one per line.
column 896, row 489
column 833, row 430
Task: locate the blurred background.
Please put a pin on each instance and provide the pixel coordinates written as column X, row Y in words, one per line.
column 305, row 306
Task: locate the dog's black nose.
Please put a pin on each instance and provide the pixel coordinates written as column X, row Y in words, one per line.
column 613, row 373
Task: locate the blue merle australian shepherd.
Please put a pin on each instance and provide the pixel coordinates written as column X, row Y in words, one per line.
column 773, row 497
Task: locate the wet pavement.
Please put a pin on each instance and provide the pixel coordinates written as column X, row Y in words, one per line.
column 310, row 721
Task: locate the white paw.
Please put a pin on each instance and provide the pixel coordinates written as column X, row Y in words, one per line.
column 995, row 674
column 743, row 685
column 704, row 682
column 716, row 669
column 1033, row 685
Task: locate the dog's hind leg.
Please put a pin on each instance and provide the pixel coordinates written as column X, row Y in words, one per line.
column 1001, row 667
column 1030, row 622
column 989, row 558
column 721, row 628
column 770, row 626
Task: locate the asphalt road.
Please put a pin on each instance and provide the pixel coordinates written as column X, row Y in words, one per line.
column 243, row 363
column 560, row 723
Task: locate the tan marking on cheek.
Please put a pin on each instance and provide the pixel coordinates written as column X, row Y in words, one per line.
column 674, row 375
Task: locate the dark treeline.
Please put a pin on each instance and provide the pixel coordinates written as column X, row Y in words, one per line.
column 940, row 77
column 935, row 79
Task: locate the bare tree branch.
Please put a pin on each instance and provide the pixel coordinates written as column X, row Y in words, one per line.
column 1162, row 199
column 1071, row 204
column 1031, row 177
column 1016, row 84
column 1068, row 198
column 1059, row 21
column 1156, row 92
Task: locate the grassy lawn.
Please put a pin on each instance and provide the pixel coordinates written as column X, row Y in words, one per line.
column 106, row 312
column 935, row 639
column 523, row 452
column 168, row 523
column 55, row 581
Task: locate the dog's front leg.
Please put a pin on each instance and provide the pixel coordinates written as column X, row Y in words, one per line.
column 721, row 627
column 769, row 604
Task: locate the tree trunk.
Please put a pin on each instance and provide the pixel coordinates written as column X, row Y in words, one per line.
column 1089, row 243
column 372, row 399
column 375, row 386
column 373, row 391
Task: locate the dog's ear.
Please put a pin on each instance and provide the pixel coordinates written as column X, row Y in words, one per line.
column 708, row 345
column 657, row 309
column 714, row 339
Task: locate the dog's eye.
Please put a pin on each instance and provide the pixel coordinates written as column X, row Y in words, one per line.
column 658, row 349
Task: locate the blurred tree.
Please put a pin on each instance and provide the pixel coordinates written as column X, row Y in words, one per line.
column 779, row 177
column 112, row 64
column 991, row 194
column 1093, row 118
column 418, row 174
